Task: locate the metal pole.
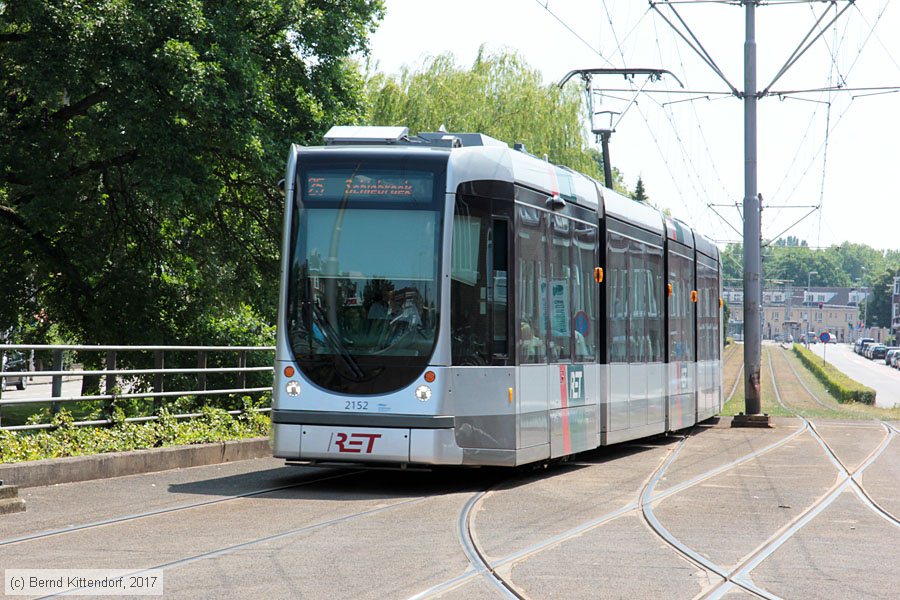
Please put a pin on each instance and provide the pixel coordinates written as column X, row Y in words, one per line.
column 56, row 381
column 752, row 288
column 810, row 303
column 866, row 312
column 110, row 381
column 607, row 164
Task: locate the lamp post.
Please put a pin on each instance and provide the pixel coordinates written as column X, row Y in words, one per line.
column 808, row 305
column 866, row 306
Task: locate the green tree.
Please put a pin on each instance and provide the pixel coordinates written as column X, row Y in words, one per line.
column 732, row 258
column 858, row 260
column 795, row 264
column 499, row 96
column 880, row 296
column 790, row 242
column 639, row 193
column 140, row 143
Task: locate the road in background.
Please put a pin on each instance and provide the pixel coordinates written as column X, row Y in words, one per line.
column 873, row 373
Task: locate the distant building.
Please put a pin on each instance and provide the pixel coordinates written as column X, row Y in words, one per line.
column 793, row 311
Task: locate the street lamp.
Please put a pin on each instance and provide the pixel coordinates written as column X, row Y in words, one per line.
column 865, row 322
column 808, row 304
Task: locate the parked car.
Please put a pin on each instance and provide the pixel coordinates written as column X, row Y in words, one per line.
column 876, row 351
column 891, row 351
column 865, row 347
column 14, row 362
column 860, row 344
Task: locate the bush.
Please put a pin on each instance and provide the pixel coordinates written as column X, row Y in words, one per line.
column 65, row 439
column 839, row 385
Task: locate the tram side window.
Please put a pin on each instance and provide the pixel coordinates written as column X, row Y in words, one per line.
column 708, row 313
column 716, row 311
column 653, row 260
column 561, row 332
column 499, row 286
column 584, row 293
column 637, row 289
column 617, row 297
column 470, row 320
column 532, row 285
column 681, row 312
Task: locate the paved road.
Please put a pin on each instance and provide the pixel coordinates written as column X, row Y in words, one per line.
column 873, row 373
column 42, row 387
column 770, row 509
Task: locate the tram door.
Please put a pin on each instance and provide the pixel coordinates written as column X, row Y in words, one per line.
column 480, row 323
column 532, row 329
column 557, row 310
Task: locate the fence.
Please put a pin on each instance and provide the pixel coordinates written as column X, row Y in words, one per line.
column 144, row 378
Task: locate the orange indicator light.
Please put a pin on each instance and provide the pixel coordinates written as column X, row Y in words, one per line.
column 693, row 295
column 429, row 376
column 669, row 289
column 289, row 371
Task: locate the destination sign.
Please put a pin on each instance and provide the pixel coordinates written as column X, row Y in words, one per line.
column 371, row 184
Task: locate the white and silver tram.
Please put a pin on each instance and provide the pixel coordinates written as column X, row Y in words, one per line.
column 447, row 300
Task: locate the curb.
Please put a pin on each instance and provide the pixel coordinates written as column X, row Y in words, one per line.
column 117, row 464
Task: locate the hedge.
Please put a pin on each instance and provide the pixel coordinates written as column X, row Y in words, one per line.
column 839, row 385
column 65, row 439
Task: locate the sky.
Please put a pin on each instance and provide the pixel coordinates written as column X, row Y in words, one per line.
column 827, row 160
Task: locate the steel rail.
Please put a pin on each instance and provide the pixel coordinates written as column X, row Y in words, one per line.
column 161, row 511
column 476, row 558
column 851, row 474
column 256, row 541
column 740, row 575
column 578, row 530
column 803, row 384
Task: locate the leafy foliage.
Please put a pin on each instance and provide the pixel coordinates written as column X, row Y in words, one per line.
column 847, row 265
column 838, row 385
column 500, row 96
column 140, row 143
column 639, row 193
column 68, row 440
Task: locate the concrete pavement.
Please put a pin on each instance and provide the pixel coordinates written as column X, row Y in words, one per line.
column 574, row 530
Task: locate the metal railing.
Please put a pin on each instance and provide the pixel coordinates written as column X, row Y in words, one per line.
column 131, row 383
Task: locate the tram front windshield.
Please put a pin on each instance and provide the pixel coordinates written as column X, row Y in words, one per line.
column 363, row 296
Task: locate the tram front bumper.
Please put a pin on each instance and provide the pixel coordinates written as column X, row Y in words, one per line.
column 340, row 443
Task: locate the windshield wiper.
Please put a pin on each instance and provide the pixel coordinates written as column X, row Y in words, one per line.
column 332, row 338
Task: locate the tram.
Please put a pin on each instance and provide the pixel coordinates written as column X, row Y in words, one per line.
column 448, row 300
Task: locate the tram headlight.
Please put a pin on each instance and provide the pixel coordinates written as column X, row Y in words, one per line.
column 423, row 393
column 292, row 388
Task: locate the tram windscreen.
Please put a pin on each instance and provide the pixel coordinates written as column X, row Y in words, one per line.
column 363, row 291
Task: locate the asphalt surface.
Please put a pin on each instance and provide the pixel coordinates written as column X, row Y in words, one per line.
column 578, row 529
column 873, row 373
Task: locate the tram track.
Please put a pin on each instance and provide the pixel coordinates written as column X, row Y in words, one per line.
column 738, row 378
column 223, row 551
column 482, row 567
column 740, row 576
column 272, row 537
column 167, row 510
